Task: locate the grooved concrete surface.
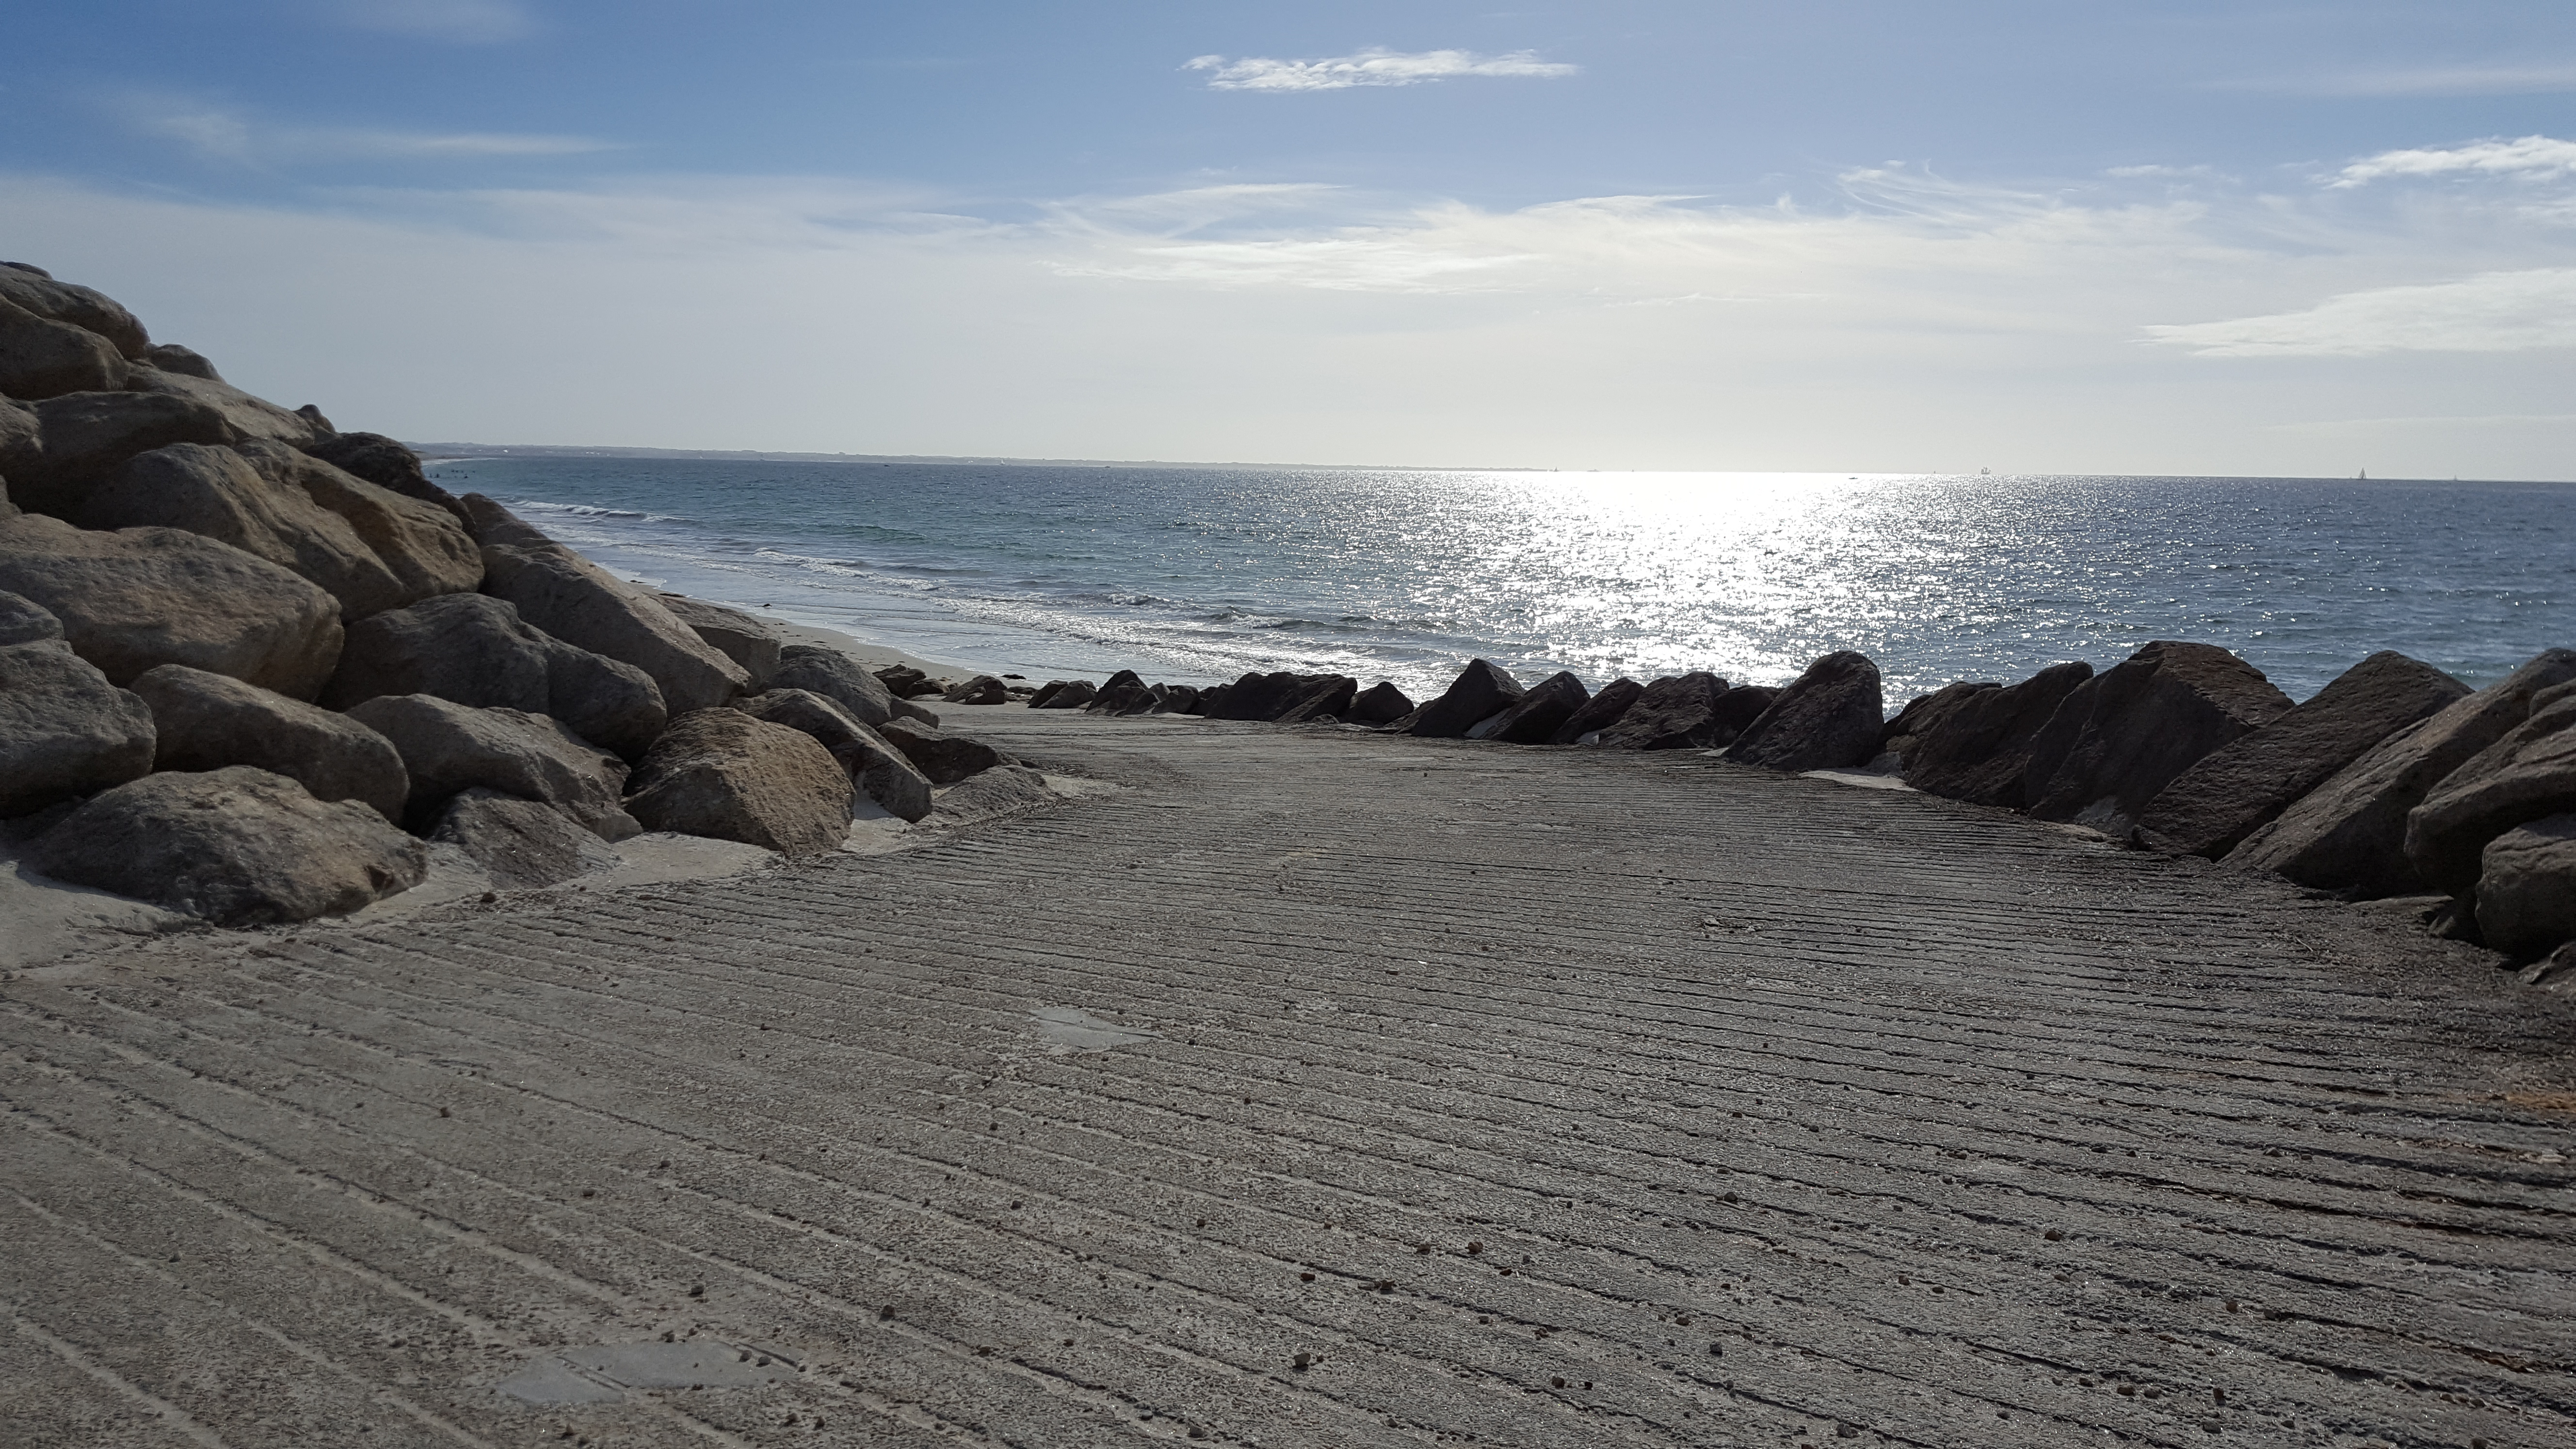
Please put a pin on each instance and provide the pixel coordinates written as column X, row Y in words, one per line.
column 1530, row 1098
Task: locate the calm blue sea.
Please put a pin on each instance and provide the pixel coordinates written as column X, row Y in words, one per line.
column 1198, row 574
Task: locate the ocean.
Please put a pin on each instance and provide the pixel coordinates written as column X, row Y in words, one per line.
column 1195, row 575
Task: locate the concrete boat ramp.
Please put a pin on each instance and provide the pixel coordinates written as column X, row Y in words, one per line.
column 1310, row 1089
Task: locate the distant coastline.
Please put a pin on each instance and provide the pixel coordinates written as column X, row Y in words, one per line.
column 448, row 452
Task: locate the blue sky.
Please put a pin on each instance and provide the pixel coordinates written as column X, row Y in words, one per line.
column 2068, row 237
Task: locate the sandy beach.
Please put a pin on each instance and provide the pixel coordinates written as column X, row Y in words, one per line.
column 1310, row 1087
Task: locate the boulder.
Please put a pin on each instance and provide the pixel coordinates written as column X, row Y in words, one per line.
column 1829, row 718
column 186, row 361
column 42, row 358
column 387, row 464
column 1541, row 712
column 2526, row 891
column 2349, row 833
column 1379, row 704
column 81, row 437
column 2124, row 734
column 1678, row 712
column 448, row 747
column 1315, row 697
column 1599, row 712
column 580, row 603
column 1481, row 691
column 723, row 774
column 1925, row 713
column 250, row 417
column 1980, row 750
column 2529, row 773
column 1124, row 679
column 23, row 621
column 1071, row 694
column 1178, row 698
column 215, row 492
column 995, row 794
column 882, row 772
column 737, row 635
column 473, row 649
column 944, row 757
column 838, row 678
column 237, row 846
column 983, row 689
column 35, row 289
column 1044, row 692
column 64, row 730
column 1282, row 696
column 520, row 844
column 427, row 550
column 2239, row 787
column 203, row 721
column 141, row 597
column 1123, row 699
column 906, row 682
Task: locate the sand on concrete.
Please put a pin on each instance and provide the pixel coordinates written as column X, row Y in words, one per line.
column 1311, row 1088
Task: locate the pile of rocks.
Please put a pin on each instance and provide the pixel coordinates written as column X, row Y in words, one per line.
column 2395, row 780
column 251, row 665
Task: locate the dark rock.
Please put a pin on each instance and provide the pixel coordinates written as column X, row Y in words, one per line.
column 2124, row 734
column 1038, row 697
column 1599, row 712
column 91, row 311
column 2349, row 833
column 520, row 844
column 1316, row 697
column 1124, row 679
column 141, row 597
column 1126, row 699
column 1282, row 696
column 64, row 730
column 250, row 417
column 2529, row 773
column 185, row 361
column 1925, row 713
column 321, row 425
column 205, row 721
column 1074, row 694
column 1481, row 691
column 448, row 747
column 1379, row 704
column 24, row 621
column 473, row 649
column 236, row 846
column 387, row 464
column 740, row 637
column 882, row 772
column 1980, row 751
column 1178, row 698
column 835, row 676
column 42, row 358
column 723, row 774
column 1541, row 712
column 1678, row 712
column 580, row 603
column 1005, row 790
column 2239, row 787
column 81, row 437
column 2526, row 892
column 982, row 689
column 906, row 682
column 1829, row 718
column 944, row 757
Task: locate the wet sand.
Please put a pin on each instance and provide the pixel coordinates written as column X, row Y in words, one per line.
column 1313, row 1088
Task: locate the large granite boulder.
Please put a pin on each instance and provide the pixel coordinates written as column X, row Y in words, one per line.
column 1118, row 699
column 2526, row 890
column 882, row 772
column 839, row 678
column 1600, row 712
column 1980, row 751
column 387, row 464
column 237, row 846
column 2241, row 786
column 1829, row 718
column 1178, row 698
column 723, row 774
column 737, row 635
column 64, row 730
column 1540, row 713
column 424, row 546
column 1481, row 691
column 1282, row 696
column 1379, row 704
column 187, row 361
column 81, row 437
column 1676, row 712
column 141, row 597
column 1926, row 712
column 474, row 649
column 2124, row 734
column 42, row 358
column 215, row 492
column 581, row 603
column 24, row 621
column 906, row 682
column 448, row 747
column 2349, row 833
column 35, row 289
column 944, row 757
column 203, row 721
column 2529, row 773
column 520, row 844
column 249, row 417
column 983, row 689
column 1065, row 694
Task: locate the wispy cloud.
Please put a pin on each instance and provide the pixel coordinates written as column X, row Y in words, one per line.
column 2496, row 312
column 222, row 133
column 2533, row 157
column 468, row 22
column 1370, row 67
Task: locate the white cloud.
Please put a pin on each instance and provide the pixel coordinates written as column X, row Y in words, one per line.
column 1369, row 67
column 224, row 134
column 2530, row 157
column 469, row 22
column 2498, row 312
